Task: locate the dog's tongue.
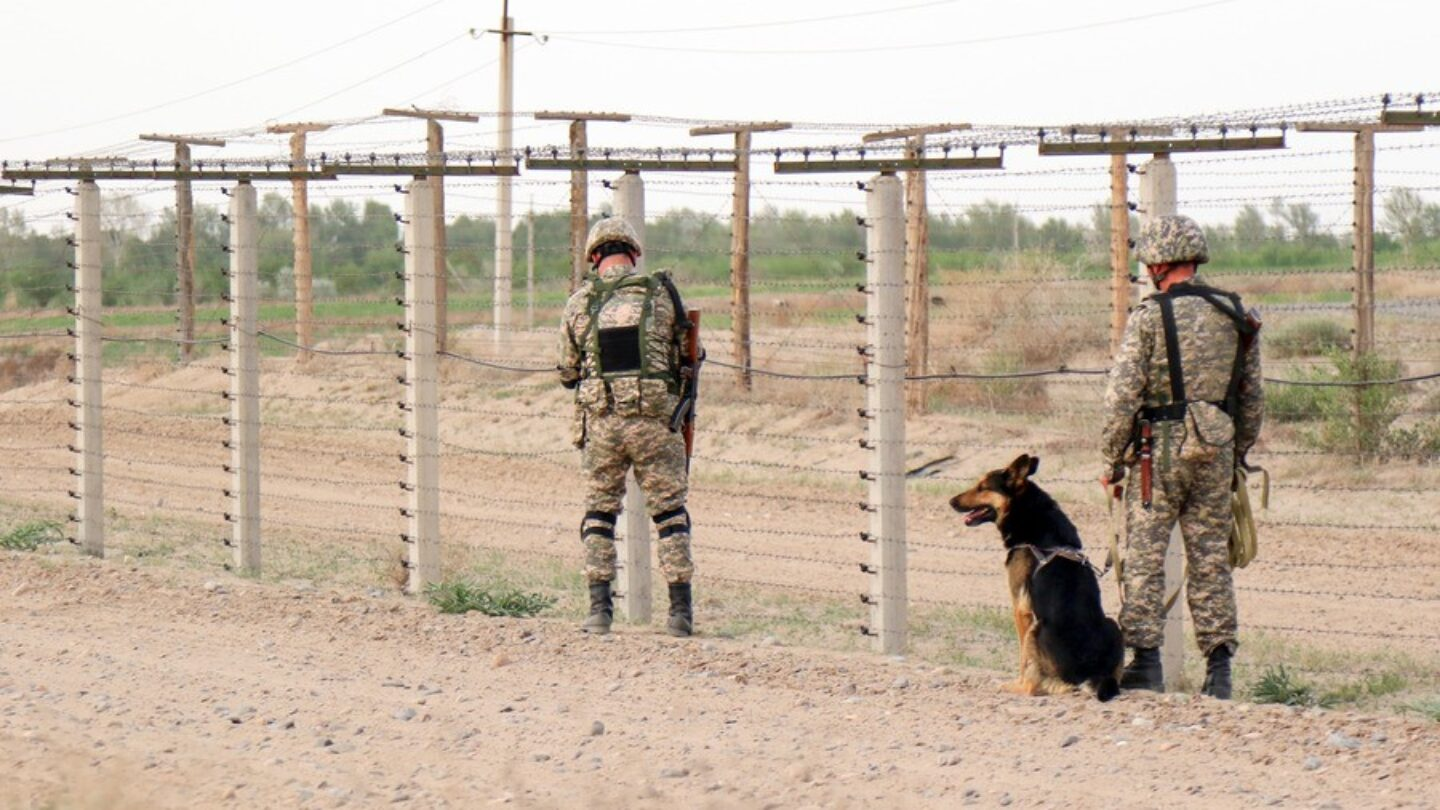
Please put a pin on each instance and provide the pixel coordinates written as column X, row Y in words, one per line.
column 976, row 515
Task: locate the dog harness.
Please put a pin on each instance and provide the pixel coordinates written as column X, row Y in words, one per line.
column 1044, row 558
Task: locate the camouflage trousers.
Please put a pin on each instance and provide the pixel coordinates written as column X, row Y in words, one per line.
column 1196, row 494
column 614, row 444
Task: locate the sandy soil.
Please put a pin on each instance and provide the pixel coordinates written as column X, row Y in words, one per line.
column 121, row 687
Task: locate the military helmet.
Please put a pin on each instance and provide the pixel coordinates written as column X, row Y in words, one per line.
column 612, row 229
column 1168, row 240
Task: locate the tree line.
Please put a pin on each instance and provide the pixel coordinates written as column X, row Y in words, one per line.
column 354, row 245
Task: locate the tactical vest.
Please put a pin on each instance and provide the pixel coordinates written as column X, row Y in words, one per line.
column 1228, row 304
column 617, row 338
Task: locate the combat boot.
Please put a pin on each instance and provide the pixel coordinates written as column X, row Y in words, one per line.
column 682, row 619
column 1217, row 673
column 602, row 610
column 1144, row 671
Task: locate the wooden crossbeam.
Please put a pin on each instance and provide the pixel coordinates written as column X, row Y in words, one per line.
column 432, row 115
column 421, row 169
column 1416, row 117
column 739, row 127
column 558, row 115
column 188, row 140
column 1163, row 146
column 630, row 164
column 20, row 190
column 888, row 164
column 159, row 172
column 911, row 132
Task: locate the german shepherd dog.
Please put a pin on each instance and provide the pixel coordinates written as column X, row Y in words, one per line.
column 1065, row 637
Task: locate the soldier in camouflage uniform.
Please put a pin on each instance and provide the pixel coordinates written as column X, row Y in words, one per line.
column 1201, row 429
column 619, row 350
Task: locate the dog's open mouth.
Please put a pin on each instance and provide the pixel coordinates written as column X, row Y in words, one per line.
column 981, row 515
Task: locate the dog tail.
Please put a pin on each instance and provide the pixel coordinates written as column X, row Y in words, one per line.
column 1106, row 687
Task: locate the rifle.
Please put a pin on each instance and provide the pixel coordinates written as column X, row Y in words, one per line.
column 1147, row 468
column 690, row 361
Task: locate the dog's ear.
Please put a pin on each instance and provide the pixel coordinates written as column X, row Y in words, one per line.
column 1020, row 469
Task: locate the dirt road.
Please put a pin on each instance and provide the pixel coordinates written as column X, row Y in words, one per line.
column 130, row 688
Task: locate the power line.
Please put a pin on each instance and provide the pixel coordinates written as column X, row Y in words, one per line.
column 229, row 84
column 918, row 46
column 440, row 46
column 771, row 24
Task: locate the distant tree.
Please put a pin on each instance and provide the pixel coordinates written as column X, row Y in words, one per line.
column 1301, row 222
column 1410, row 218
column 1250, row 227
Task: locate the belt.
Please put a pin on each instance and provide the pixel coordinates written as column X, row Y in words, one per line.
column 1174, row 412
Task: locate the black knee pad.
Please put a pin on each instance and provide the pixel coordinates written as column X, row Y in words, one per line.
column 673, row 528
column 598, row 523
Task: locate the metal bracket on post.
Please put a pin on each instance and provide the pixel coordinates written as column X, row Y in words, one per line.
column 88, row 361
column 421, row 395
column 636, row 580
column 885, row 393
column 245, row 381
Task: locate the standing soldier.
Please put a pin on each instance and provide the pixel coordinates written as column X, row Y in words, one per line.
column 1184, row 405
column 620, row 341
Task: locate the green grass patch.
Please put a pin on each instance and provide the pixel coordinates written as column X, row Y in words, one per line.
column 465, row 596
column 1279, row 685
column 31, row 535
column 1428, row 707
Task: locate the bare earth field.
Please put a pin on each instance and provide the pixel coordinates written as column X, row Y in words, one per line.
column 122, row 687
column 154, row 678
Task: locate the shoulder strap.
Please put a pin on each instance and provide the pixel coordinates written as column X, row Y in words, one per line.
column 682, row 321
column 1172, row 347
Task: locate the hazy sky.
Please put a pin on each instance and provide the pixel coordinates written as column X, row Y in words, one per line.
column 88, row 76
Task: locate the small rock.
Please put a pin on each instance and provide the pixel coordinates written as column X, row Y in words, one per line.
column 1312, row 763
column 20, row 589
column 597, row 728
column 949, row 759
column 1379, row 737
column 540, row 757
column 1143, row 722
column 211, row 586
column 404, row 713
column 901, row 682
column 770, row 641
column 1339, row 740
column 674, row 773
column 1005, row 800
column 1069, row 741
column 500, row 660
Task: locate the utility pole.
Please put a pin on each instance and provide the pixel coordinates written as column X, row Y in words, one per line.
column 304, row 289
column 504, row 238
column 917, row 255
column 435, row 156
column 1363, row 227
column 579, row 189
column 740, row 236
column 184, row 235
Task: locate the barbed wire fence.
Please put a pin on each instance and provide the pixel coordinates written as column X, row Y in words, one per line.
column 1018, row 349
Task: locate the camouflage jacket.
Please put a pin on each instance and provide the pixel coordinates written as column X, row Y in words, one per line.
column 1140, row 377
column 626, row 396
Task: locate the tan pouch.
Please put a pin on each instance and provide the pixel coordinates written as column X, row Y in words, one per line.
column 1208, row 430
column 652, row 398
column 1244, row 540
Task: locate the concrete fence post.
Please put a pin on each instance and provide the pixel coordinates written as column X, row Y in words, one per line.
column 244, row 380
column 885, row 407
column 89, row 420
column 422, row 422
column 1158, row 195
column 635, row 582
